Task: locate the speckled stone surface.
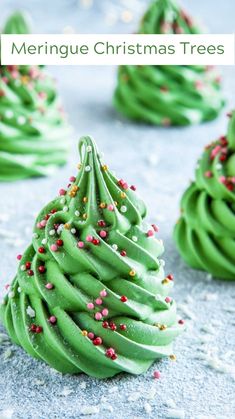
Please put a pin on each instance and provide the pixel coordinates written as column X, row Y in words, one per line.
column 160, row 161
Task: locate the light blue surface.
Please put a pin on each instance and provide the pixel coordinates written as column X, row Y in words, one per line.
column 160, row 162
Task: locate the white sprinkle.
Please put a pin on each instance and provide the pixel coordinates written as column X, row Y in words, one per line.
column 7, row 354
column 19, row 290
column 35, row 236
column 65, row 209
column 123, row 208
column 62, row 200
column 9, row 114
column 162, row 262
column 11, row 294
column 218, row 166
column 134, row 238
column 147, row 408
column 151, row 393
column 113, row 389
column 89, row 410
column 87, row 168
column 60, row 228
column 31, row 313
column 77, row 213
column 44, row 241
column 89, row 148
column 21, row 120
column 52, row 232
column 38, row 382
column 73, row 230
column 209, row 277
column 23, row 268
column 176, row 414
column 114, row 246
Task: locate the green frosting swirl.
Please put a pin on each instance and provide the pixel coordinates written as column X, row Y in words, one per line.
column 205, row 233
column 93, row 253
column 168, row 95
column 33, row 129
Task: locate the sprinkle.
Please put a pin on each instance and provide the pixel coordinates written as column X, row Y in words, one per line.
column 89, row 149
column 103, row 234
column 41, row 249
column 54, row 247
column 88, row 168
column 134, row 238
column 65, row 208
column 90, row 306
column 84, row 332
column 133, row 187
column 162, row 327
column 156, row 228
column 157, row 374
column 122, row 326
column 23, row 268
column 208, row 174
column 89, row 238
column 132, row 272
column 105, row 312
column 105, row 167
column 103, row 293
column 101, row 223
column 72, row 179
column 62, row 192
column 73, row 230
column 97, row 341
column 123, row 195
column 49, row 286
column 123, row 299
column 80, row 244
column 102, row 205
column 168, row 299
column 85, row 199
column 123, row 253
column 110, row 207
column 173, row 357
column 98, row 301
column 39, row 329
column 165, row 281
column 35, row 236
column 91, row 335
column 84, row 216
column 181, row 321
column 98, row 316
column 150, row 233
column 123, row 208
column 44, row 241
column 52, row 320
column 222, row 179
column 96, row 242
column 114, row 247
column 77, row 213
column 109, row 352
column 170, row 277
column 9, row 114
column 11, row 294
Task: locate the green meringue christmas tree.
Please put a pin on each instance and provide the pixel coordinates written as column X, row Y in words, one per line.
column 205, row 233
column 33, row 130
column 168, row 95
column 90, row 294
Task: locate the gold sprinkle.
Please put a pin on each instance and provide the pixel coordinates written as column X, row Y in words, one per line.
column 165, row 281
column 24, row 79
column 132, row 272
column 105, row 167
column 102, row 205
column 162, row 327
column 173, row 357
column 75, row 188
column 79, row 166
column 72, row 194
column 84, row 332
column 115, row 203
column 67, row 226
column 85, row 199
column 123, row 195
column 84, row 216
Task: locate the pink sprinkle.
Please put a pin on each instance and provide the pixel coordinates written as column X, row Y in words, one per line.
column 52, row 319
column 222, row 179
column 72, row 179
column 98, row 301
column 19, row 257
column 80, row 245
column 49, row 286
column 208, row 174
column 103, row 234
column 89, row 238
column 156, row 228
column 39, row 225
column 105, row 312
column 90, row 306
column 198, row 84
column 157, row 374
column 54, row 247
column 181, row 321
column 110, row 207
column 103, row 293
column 168, row 299
column 215, row 151
column 7, row 286
column 91, row 335
column 150, row 233
column 62, row 192
column 43, row 223
column 98, row 316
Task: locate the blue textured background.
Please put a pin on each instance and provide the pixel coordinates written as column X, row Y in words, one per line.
column 200, row 384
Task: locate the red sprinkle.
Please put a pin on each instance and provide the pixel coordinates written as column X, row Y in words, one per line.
column 96, row 242
column 41, row 249
column 42, row 269
column 30, row 272
column 97, row 341
column 122, row 326
column 133, row 188
column 123, row 299
column 109, row 352
column 170, row 277
column 59, row 242
column 181, row 321
column 19, row 257
column 113, row 357
column 33, row 328
column 39, row 329
column 101, row 223
column 28, row 265
column 105, row 325
column 123, row 253
column 112, row 326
